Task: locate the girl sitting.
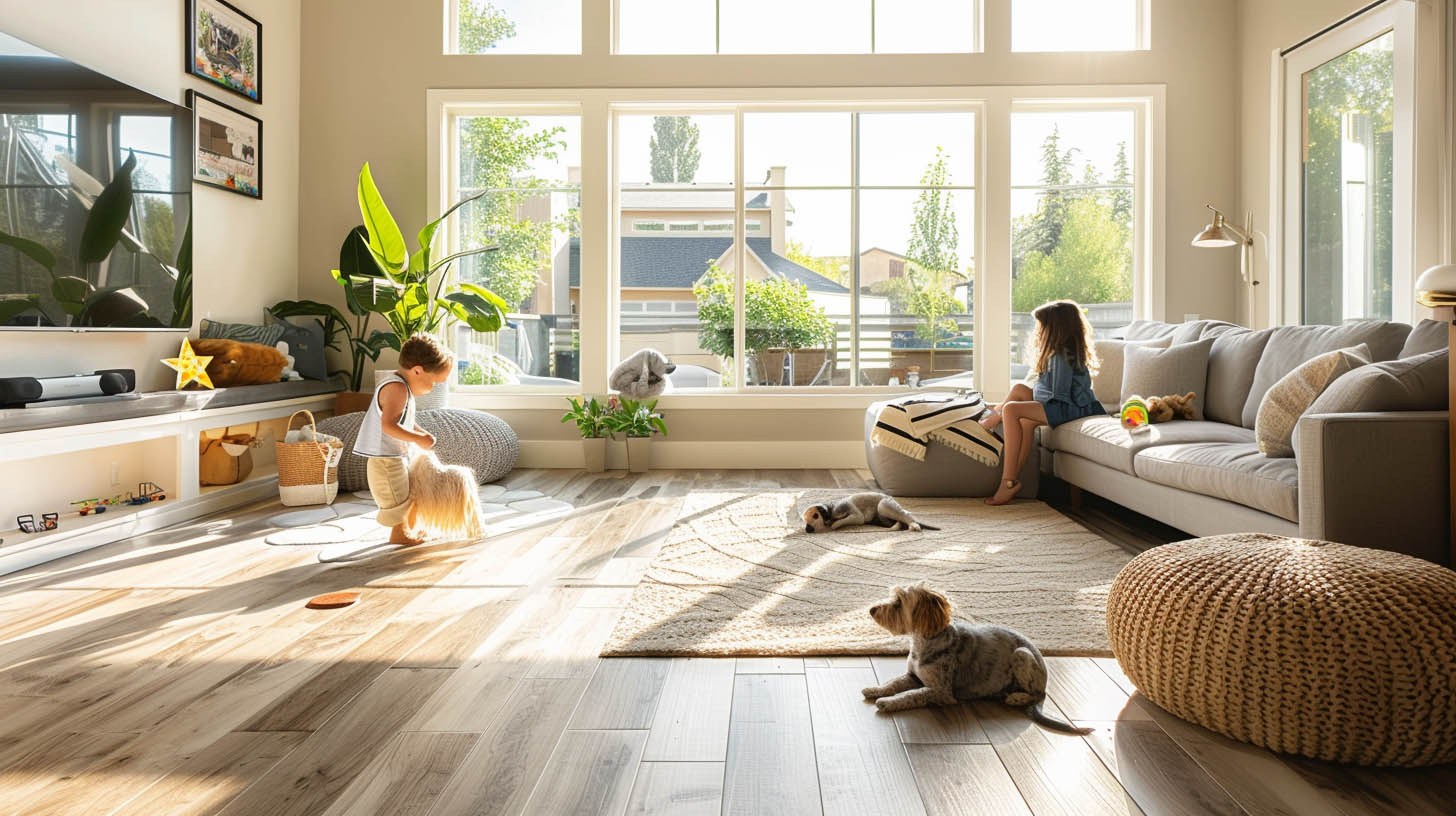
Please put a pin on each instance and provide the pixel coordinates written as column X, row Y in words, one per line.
column 1065, row 361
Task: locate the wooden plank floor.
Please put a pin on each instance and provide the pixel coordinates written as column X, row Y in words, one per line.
column 178, row 672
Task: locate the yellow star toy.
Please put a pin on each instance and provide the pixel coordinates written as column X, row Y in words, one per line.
column 189, row 367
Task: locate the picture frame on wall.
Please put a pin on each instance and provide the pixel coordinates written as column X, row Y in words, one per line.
column 227, row 146
column 224, row 46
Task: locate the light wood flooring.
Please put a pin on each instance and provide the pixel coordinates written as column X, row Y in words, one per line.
column 179, row 672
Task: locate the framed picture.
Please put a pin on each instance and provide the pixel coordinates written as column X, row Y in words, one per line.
column 224, row 46
column 227, row 146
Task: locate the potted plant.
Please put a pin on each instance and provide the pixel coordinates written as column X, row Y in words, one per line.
column 591, row 421
column 638, row 420
column 412, row 290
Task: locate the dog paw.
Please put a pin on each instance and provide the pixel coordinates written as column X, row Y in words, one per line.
column 871, row 693
column 883, row 704
column 914, row 527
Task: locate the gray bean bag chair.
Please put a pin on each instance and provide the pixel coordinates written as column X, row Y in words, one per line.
column 944, row 473
column 477, row 440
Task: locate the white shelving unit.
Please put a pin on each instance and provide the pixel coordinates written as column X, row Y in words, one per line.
column 185, row 500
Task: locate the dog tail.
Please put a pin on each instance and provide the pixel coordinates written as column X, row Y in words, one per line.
column 1055, row 723
column 925, row 526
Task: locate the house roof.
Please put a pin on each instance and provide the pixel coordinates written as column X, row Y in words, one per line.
column 644, row 198
column 677, row 262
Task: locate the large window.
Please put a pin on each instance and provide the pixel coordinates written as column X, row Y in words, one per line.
column 528, row 167
column 513, row 27
column 857, row 254
column 1073, row 229
column 796, row 26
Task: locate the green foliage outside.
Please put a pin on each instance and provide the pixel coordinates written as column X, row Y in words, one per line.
column 933, row 260
column 778, row 314
column 674, row 146
column 833, row 267
column 480, row 26
column 1078, row 242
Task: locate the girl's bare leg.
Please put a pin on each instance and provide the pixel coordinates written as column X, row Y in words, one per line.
column 1019, row 393
column 1022, row 417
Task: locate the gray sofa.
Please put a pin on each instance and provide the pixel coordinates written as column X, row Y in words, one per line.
column 1375, row 479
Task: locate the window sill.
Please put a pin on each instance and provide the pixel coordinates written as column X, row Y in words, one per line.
column 701, row 400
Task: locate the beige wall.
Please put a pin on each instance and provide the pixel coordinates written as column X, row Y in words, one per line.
column 245, row 252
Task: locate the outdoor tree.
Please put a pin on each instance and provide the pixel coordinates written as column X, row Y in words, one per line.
column 674, row 147
column 932, row 258
column 1089, row 264
column 833, row 267
column 778, row 314
column 1042, row 232
column 481, row 26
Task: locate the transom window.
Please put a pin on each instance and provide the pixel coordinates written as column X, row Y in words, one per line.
column 1079, row 25
column 513, row 27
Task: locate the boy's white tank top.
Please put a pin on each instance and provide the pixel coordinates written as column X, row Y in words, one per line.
column 372, row 441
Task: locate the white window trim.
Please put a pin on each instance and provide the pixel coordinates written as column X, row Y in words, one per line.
column 1420, row 163
column 601, row 226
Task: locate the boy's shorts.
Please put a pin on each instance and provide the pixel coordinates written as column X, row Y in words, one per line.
column 389, row 485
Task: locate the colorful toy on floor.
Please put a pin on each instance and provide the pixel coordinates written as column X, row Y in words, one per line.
column 1134, row 415
column 1173, row 406
column 332, row 600
column 146, row 493
column 89, row 506
column 27, row 522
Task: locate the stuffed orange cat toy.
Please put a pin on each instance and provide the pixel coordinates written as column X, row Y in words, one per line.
column 234, row 363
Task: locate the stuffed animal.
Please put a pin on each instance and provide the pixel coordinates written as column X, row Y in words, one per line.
column 1134, row 414
column 235, row 363
column 642, row 375
column 1173, row 406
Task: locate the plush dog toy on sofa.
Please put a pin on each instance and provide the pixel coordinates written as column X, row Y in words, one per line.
column 1173, row 406
column 643, row 375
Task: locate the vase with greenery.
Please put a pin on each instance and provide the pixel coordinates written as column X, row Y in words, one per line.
column 590, row 417
column 638, row 420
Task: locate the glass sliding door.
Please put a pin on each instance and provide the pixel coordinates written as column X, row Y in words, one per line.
column 1347, row 154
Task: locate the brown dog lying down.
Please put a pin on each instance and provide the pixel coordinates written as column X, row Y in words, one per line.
column 953, row 661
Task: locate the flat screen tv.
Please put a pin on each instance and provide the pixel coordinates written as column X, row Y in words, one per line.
column 95, row 199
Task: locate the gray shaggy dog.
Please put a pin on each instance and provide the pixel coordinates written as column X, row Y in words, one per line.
column 953, row 661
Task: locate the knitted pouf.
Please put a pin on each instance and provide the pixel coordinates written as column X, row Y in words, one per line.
column 1334, row 652
column 479, row 441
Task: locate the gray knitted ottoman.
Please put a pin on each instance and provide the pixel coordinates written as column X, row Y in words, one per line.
column 944, row 473
column 477, row 440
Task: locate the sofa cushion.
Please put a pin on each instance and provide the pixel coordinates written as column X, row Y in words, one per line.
column 1425, row 337
column 1103, row 440
column 1411, row 384
column 1289, row 346
column 1107, row 382
column 1195, row 330
column 1287, row 400
column 1237, row 472
column 1152, row 372
column 1148, row 330
column 1231, row 364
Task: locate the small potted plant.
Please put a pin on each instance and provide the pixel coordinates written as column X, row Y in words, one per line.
column 638, row 420
column 591, row 421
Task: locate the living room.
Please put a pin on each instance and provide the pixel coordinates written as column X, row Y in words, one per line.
column 600, row 400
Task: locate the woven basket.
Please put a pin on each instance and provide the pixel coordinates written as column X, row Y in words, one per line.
column 308, row 472
column 1339, row 653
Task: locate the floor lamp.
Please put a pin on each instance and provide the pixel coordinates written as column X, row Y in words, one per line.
column 1436, row 288
column 1222, row 234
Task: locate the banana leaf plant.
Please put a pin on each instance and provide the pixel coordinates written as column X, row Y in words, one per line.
column 413, row 291
column 77, row 297
column 363, row 297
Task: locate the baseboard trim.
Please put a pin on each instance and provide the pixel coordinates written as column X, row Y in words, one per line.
column 666, row 455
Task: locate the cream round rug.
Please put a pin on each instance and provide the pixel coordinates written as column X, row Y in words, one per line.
column 739, row 576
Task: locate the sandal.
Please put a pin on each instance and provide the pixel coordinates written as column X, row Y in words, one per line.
column 1013, row 485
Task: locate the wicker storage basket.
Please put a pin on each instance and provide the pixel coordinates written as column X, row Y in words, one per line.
column 308, row 472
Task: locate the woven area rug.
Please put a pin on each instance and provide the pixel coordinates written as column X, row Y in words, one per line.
column 739, row 576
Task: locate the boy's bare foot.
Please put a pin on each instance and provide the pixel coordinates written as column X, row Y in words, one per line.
column 397, row 535
column 991, row 420
column 1006, row 492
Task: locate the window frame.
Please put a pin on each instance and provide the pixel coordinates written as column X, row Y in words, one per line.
column 600, row 225
column 1142, row 33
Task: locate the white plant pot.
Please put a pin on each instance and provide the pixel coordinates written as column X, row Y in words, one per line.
column 639, row 454
column 594, row 454
column 436, row 399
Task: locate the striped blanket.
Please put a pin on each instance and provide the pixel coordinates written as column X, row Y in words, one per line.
column 909, row 424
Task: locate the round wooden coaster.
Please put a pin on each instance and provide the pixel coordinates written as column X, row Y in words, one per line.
column 332, row 600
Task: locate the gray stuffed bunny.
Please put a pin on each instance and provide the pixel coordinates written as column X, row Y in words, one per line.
column 642, row 375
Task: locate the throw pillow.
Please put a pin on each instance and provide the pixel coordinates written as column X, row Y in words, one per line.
column 1155, row 372
column 1415, row 383
column 306, row 344
column 1107, row 382
column 1295, row 392
column 241, row 332
column 1425, row 336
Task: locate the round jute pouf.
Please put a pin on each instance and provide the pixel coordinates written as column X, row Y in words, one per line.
column 1334, row 652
